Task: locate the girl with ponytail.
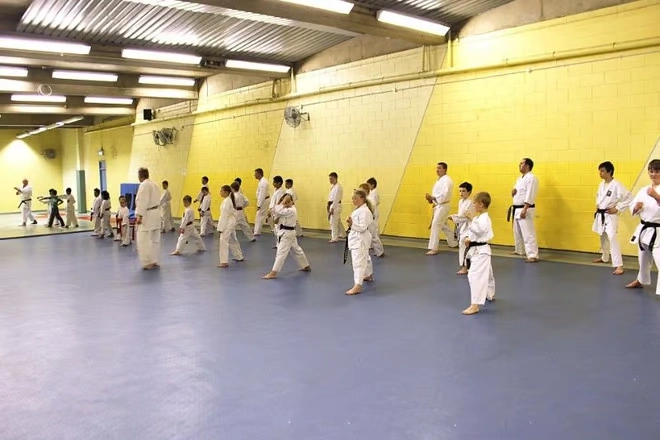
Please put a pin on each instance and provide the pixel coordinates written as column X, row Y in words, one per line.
column 227, row 228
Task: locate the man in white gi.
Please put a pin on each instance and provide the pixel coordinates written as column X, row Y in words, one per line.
column 26, row 202
column 612, row 199
column 522, row 212
column 288, row 184
column 274, row 201
column 147, row 202
column 262, row 200
column 440, row 198
column 333, row 207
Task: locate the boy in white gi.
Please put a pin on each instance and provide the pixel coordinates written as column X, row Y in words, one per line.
column 359, row 240
column 71, row 218
column 96, row 213
column 646, row 205
column 205, row 184
column 227, row 228
column 462, row 222
column 106, row 215
column 205, row 217
column 187, row 231
column 376, row 244
column 123, row 223
column 522, row 212
column 262, row 201
column 612, row 199
column 333, row 207
column 440, row 198
column 286, row 234
column 288, row 184
column 241, row 203
column 274, row 200
column 480, row 276
column 166, row 208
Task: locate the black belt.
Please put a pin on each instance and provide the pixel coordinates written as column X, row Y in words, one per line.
column 108, row 209
column 466, row 260
column 239, row 209
column 348, row 231
column 331, row 202
column 24, row 201
column 648, row 225
column 267, row 197
column 153, row 207
column 288, row 228
column 512, row 211
column 602, row 213
column 189, row 223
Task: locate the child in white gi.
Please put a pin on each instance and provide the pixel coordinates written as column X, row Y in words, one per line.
column 462, row 223
column 205, row 217
column 123, row 221
column 166, row 209
column 376, row 244
column 646, row 205
column 105, row 215
column 286, row 234
column 277, row 195
column 241, row 203
column 359, row 240
column 227, row 228
column 288, row 184
column 71, row 218
column 480, row 276
column 187, row 230
column 96, row 213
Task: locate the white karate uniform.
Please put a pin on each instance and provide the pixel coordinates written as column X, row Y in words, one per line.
column 124, row 216
column 147, row 202
column 462, row 223
column 96, row 213
column 524, row 234
column 26, row 204
column 294, row 196
column 227, row 229
column 359, row 240
column 71, row 218
column 262, row 205
column 650, row 213
column 241, row 220
column 200, row 195
column 167, row 224
column 287, row 240
column 274, row 200
column 189, row 232
column 610, row 195
column 480, row 276
column 441, row 193
column 205, row 217
column 106, row 215
column 376, row 243
column 337, row 230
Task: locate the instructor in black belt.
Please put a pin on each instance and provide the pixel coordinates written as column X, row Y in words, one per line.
column 522, row 212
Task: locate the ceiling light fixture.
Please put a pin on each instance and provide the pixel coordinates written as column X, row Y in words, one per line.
column 164, row 57
column 338, row 6
column 85, row 76
column 166, row 80
column 43, row 46
column 13, row 71
column 416, row 23
column 49, row 127
column 38, row 98
column 107, row 100
column 247, row 65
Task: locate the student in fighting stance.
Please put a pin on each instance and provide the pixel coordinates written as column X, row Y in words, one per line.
column 462, row 222
column 359, row 241
column 277, row 195
column 205, row 217
column 227, row 228
column 187, row 230
column 241, row 203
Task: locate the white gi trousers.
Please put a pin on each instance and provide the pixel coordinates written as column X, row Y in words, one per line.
column 242, row 224
column 105, row 224
column 167, row 223
column 439, row 223
column 288, row 243
column 229, row 242
column 524, row 234
column 336, row 226
column 362, row 266
column 206, row 223
column 148, row 245
column 260, row 218
column 609, row 244
column 190, row 234
column 376, row 243
column 481, row 279
column 26, row 212
column 98, row 225
column 125, row 234
column 71, row 218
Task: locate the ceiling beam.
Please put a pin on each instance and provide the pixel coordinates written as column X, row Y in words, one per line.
column 63, row 110
column 360, row 20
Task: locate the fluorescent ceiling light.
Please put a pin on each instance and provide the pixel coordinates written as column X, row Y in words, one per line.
column 38, row 98
column 23, row 135
column 235, row 64
column 13, row 71
column 43, row 46
column 72, row 120
column 45, row 109
column 49, row 127
column 166, row 80
column 84, row 76
column 339, row 6
column 165, row 57
column 416, row 23
column 103, row 100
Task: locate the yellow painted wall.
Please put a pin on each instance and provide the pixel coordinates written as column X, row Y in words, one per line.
column 21, row 159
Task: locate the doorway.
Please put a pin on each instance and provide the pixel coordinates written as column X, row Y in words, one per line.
column 102, row 176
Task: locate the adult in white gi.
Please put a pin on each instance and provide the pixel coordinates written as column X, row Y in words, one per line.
column 71, row 218
column 96, row 213
column 205, row 216
column 187, row 230
column 462, row 223
column 288, row 184
column 333, row 208
column 147, row 202
column 167, row 224
column 612, row 199
column 646, row 205
column 274, row 200
column 286, row 234
column 262, row 201
column 440, row 198
column 227, row 228
column 241, row 203
column 359, row 240
column 25, row 192
column 522, row 212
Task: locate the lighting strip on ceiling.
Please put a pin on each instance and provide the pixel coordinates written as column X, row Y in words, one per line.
column 49, row 127
column 108, row 100
column 166, row 80
column 31, row 45
column 84, row 76
column 38, row 98
column 163, row 57
column 415, row 23
column 265, row 67
column 339, row 6
column 19, row 72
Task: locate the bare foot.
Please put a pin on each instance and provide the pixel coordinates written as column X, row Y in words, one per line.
column 333, row 241
column 381, row 255
column 532, row 260
column 306, row 269
column 491, row 299
column 201, row 250
column 634, row 285
column 370, row 278
column 432, row 253
column 515, row 253
column 270, row 275
column 176, row 253
column 355, row 290
column 618, row 271
column 471, row 310
column 462, row 271
column 223, row 265
column 598, row 260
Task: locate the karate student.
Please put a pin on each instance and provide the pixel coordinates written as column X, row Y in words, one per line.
column 480, row 276
column 241, row 203
column 646, row 205
column 522, row 212
column 440, row 198
column 26, row 202
column 147, row 202
column 205, row 217
column 187, row 231
column 205, row 184
column 288, row 184
column 462, row 222
column 262, row 201
column 359, row 240
column 105, row 215
column 227, row 228
column 166, row 208
column 333, row 207
column 277, row 195
column 285, row 210
column 71, row 218
column 96, row 213
column 124, row 223
column 376, row 244
column 54, row 203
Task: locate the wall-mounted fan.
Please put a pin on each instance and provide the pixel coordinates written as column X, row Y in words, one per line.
column 166, row 136
column 294, row 117
column 49, row 153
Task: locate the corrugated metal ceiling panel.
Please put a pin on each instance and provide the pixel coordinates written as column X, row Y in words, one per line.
column 445, row 11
